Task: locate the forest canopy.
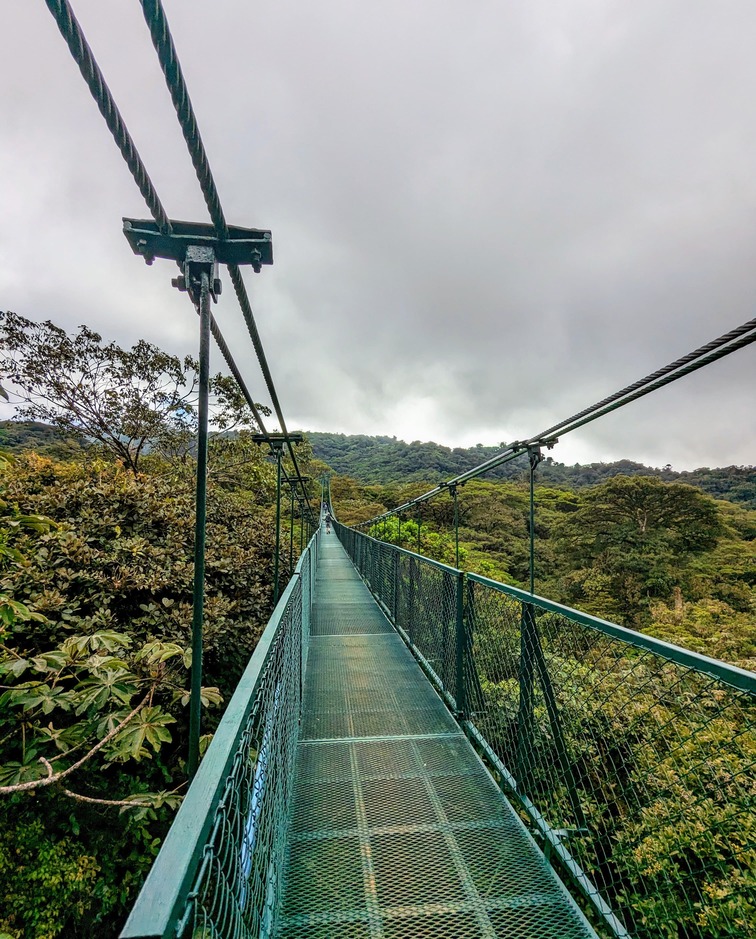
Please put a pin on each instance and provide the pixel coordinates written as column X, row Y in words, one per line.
column 96, row 560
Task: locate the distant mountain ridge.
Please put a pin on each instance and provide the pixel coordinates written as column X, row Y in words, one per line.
column 386, row 459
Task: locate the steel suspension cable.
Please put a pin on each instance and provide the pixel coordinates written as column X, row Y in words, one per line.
column 659, row 373
column 740, row 343
column 92, row 74
column 84, row 58
column 677, row 369
column 82, row 54
column 724, row 345
column 157, row 23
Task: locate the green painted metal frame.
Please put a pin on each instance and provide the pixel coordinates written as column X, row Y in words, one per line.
column 159, row 908
column 200, row 529
column 362, row 547
column 730, row 674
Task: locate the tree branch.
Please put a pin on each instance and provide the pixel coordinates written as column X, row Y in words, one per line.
column 53, row 778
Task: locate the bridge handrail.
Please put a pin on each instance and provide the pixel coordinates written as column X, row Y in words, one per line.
column 161, row 903
column 632, row 758
column 739, row 678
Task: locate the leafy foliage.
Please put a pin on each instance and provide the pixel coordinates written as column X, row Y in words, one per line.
column 130, row 401
column 96, row 565
column 386, row 460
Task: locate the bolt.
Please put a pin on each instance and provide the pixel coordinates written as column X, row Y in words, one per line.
column 217, row 286
column 179, row 282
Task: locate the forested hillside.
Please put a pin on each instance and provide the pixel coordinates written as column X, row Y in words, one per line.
column 96, row 567
column 660, row 557
column 386, row 459
column 96, row 561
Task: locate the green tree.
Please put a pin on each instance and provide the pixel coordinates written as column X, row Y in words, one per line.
column 96, row 568
column 129, row 401
column 631, row 541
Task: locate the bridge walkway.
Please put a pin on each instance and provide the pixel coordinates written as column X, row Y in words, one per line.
column 398, row 830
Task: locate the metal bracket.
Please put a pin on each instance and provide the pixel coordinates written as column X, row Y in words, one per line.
column 240, row 246
column 198, row 249
column 198, row 260
column 277, row 441
column 534, row 455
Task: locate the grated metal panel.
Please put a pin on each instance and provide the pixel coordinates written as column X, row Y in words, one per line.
column 398, row 831
column 334, row 619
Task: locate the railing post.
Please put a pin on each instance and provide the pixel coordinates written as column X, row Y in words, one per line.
column 460, row 645
column 411, row 611
column 395, row 592
column 198, row 597
column 525, row 707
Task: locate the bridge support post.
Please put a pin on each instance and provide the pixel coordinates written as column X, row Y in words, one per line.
column 460, row 646
column 291, row 530
column 395, row 591
column 525, row 706
column 198, row 266
column 279, row 456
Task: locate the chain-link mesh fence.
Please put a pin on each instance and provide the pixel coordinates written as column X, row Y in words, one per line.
column 420, row 596
column 219, row 873
column 633, row 760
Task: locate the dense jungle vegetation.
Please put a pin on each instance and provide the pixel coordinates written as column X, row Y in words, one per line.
column 384, row 460
column 96, row 564
column 96, row 541
column 661, row 557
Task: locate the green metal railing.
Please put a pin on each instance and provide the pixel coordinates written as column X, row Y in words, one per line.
column 631, row 759
column 219, row 870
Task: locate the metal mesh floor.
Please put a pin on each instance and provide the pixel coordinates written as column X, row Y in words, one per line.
column 398, row 830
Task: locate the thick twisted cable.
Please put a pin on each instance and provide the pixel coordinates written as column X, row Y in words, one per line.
column 741, row 343
column 84, row 58
column 686, row 364
column 157, row 23
column 729, row 342
column 80, row 50
column 90, row 71
column 659, row 373
column 674, row 370
column 225, row 352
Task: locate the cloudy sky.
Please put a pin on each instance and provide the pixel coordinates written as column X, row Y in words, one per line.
column 486, row 215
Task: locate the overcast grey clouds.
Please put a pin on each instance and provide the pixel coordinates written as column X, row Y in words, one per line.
column 485, row 215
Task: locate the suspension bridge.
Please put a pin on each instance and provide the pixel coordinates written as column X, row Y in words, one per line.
column 418, row 751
